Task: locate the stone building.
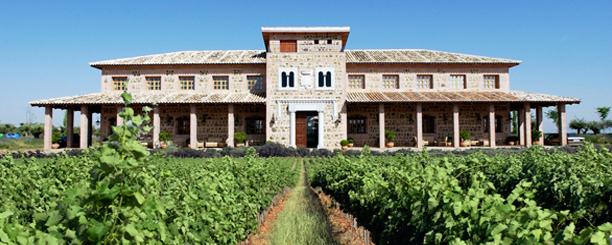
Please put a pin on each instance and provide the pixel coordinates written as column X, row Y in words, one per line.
column 306, row 90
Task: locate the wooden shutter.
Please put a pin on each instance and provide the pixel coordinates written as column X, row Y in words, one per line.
column 288, row 46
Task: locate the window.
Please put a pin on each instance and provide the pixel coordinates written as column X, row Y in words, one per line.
column 187, row 83
column 424, row 81
column 255, row 125
column 325, row 79
column 498, row 124
column 221, row 83
column 457, row 81
column 255, row 82
column 119, row 83
column 390, row 81
column 329, row 41
column 286, row 78
column 491, row 81
column 184, row 126
column 357, row 125
column 153, row 83
column 356, row 81
column 428, row 124
column 288, row 46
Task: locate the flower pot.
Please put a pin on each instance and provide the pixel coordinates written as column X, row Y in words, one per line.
column 163, row 145
column 239, row 144
column 536, row 142
column 449, row 143
column 55, row 146
column 389, row 145
column 344, row 147
column 511, row 143
column 463, row 144
column 350, row 144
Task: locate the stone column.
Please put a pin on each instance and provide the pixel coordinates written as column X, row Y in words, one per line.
column 230, row 125
column 84, row 126
column 562, row 123
column 527, row 124
column 48, row 130
column 119, row 119
column 456, row 125
column 521, row 119
column 292, row 129
column 381, row 125
column 492, row 126
column 540, row 123
column 69, row 128
column 419, row 118
column 156, row 127
column 321, row 126
column 193, row 128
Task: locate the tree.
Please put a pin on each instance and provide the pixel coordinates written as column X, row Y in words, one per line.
column 603, row 112
column 579, row 124
column 595, row 126
column 514, row 117
column 553, row 115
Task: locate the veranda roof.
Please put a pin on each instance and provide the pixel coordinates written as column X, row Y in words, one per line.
column 511, row 96
column 159, row 98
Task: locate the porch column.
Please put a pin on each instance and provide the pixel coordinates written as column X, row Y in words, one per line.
column 321, row 125
column 156, row 127
column 119, row 119
column 230, row 125
column 562, row 123
column 48, row 130
column 381, row 125
column 521, row 119
column 69, row 128
column 540, row 124
column 193, row 128
column 492, row 126
column 527, row 124
column 456, row 125
column 89, row 128
column 292, row 130
column 419, row 118
column 84, row 127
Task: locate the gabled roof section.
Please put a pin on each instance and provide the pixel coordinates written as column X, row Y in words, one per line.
column 341, row 30
column 190, row 58
column 434, row 97
column 419, row 56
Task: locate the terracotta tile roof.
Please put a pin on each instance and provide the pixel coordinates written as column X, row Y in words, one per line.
column 159, row 98
column 511, row 96
column 367, row 56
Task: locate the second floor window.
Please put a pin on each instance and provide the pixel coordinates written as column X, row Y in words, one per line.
column 255, row 82
column 119, row 83
column 390, row 81
column 286, row 78
column 491, row 81
column 356, row 81
column 153, row 83
column 424, row 81
column 187, row 83
column 325, row 78
column 221, row 83
column 457, row 81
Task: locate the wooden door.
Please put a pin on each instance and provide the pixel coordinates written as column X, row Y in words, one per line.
column 300, row 129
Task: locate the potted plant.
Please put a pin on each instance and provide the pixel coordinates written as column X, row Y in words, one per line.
column 512, row 139
column 350, row 142
column 344, row 144
column 464, row 135
column 449, row 141
column 535, row 136
column 55, row 138
column 239, row 138
column 164, row 137
column 390, row 136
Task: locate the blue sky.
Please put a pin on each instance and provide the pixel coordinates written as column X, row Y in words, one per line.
column 45, row 46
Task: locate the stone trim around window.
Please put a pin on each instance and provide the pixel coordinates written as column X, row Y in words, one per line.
column 289, row 81
column 324, row 78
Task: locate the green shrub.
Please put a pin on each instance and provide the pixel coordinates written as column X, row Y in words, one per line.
column 164, row 136
column 344, row 142
column 535, row 134
column 390, row 135
column 56, row 136
column 240, row 137
column 350, row 140
column 464, row 135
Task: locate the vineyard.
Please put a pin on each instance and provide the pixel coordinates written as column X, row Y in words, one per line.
column 528, row 198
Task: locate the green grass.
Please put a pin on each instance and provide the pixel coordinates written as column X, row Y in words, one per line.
column 21, row 143
column 303, row 220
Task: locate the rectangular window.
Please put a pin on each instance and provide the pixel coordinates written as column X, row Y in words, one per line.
column 424, row 81
column 288, row 46
column 428, row 124
column 184, row 126
column 457, row 81
column 119, row 83
column 357, row 125
column 153, row 83
column 498, row 124
column 356, row 81
column 255, row 82
column 221, row 83
column 187, row 83
column 491, row 81
column 255, row 126
column 390, row 81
